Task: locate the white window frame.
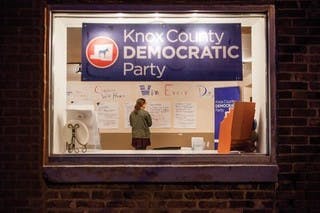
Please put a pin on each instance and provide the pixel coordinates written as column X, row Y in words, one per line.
column 58, row 19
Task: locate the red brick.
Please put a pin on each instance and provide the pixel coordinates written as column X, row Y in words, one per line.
column 181, row 204
column 180, row 187
column 314, row 85
column 241, row 204
column 53, row 203
column 306, row 167
column 313, row 177
column 294, row 67
column 285, row 76
column 292, row 121
column 290, row 195
column 292, row 140
column 287, row 4
column 311, row 59
column 199, row 195
column 168, row 195
column 281, row 22
column 292, row 104
column 285, row 167
column 285, row 58
column 136, row 195
column 291, row 13
column 284, row 112
column 314, row 122
column 285, row 39
column 315, row 140
column 289, row 49
column 284, row 149
column 311, row 131
column 213, row 204
column 292, row 31
column 259, row 195
column 314, row 104
column 308, row 95
column 292, row 85
column 229, row 195
column 304, row 112
column 286, row 158
column 74, row 194
column 309, row 22
column 306, row 76
column 120, row 203
column 90, row 204
column 315, row 49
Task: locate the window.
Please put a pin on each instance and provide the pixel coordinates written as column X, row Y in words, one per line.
column 100, row 61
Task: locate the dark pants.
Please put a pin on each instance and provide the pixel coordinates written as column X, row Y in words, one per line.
column 140, row 143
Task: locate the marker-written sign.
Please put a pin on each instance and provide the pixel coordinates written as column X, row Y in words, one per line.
column 161, row 52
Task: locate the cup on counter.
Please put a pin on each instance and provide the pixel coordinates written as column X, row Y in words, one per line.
column 197, row 143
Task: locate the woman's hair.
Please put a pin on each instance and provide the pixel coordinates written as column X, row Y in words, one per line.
column 140, row 102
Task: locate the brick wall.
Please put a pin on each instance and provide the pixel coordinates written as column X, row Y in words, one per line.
column 298, row 39
column 21, row 47
column 24, row 190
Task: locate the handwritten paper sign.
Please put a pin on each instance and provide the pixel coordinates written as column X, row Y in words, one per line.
column 108, row 116
column 161, row 115
column 185, row 115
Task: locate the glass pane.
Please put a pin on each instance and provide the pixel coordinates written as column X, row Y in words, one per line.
column 93, row 116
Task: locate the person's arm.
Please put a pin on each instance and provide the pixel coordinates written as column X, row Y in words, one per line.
column 130, row 120
column 149, row 120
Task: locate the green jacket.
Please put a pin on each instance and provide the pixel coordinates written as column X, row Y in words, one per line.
column 140, row 124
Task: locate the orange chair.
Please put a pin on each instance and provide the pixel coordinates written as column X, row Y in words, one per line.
column 236, row 127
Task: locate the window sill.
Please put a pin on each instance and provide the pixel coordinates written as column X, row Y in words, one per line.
column 160, row 168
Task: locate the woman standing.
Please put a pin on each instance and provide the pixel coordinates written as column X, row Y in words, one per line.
column 140, row 121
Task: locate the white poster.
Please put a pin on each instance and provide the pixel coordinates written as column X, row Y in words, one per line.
column 185, row 115
column 128, row 108
column 108, row 116
column 161, row 114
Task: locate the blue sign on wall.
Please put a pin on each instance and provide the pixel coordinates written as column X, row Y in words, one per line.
column 161, row 52
column 224, row 99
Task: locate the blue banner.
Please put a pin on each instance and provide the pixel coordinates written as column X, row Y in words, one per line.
column 161, row 52
column 224, row 99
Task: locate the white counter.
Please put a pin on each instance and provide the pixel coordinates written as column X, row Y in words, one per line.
column 148, row 151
